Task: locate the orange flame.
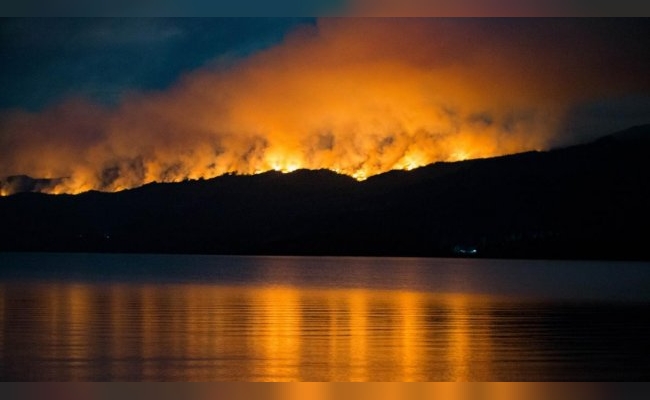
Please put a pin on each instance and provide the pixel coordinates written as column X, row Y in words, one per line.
column 359, row 97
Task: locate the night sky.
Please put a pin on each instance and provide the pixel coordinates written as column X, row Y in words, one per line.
column 45, row 61
column 110, row 104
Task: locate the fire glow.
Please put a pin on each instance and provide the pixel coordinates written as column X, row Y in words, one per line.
column 359, row 97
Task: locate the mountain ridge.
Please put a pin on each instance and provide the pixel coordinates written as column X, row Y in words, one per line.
column 581, row 201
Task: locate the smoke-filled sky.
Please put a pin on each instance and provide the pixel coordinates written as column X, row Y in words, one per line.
column 109, row 104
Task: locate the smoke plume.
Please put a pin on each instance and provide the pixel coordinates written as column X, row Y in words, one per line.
column 357, row 96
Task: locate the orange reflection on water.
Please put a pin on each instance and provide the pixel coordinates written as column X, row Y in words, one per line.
column 248, row 333
column 276, row 333
column 358, row 311
column 458, row 339
column 79, row 334
column 411, row 345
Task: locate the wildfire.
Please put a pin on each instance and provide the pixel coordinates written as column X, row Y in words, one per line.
column 358, row 97
column 459, row 155
column 359, row 152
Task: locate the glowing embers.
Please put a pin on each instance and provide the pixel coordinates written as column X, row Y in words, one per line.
column 285, row 166
column 459, row 155
column 411, row 161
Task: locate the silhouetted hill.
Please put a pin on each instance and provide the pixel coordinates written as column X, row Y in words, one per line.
column 586, row 201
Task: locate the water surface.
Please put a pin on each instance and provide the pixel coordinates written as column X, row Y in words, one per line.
column 94, row 317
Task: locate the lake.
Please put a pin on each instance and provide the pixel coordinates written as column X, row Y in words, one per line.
column 119, row 317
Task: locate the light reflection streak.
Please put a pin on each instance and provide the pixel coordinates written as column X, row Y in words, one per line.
column 358, row 311
column 78, row 332
column 335, row 348
column 277, row 333
column 459, row 339
column 411, row 346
